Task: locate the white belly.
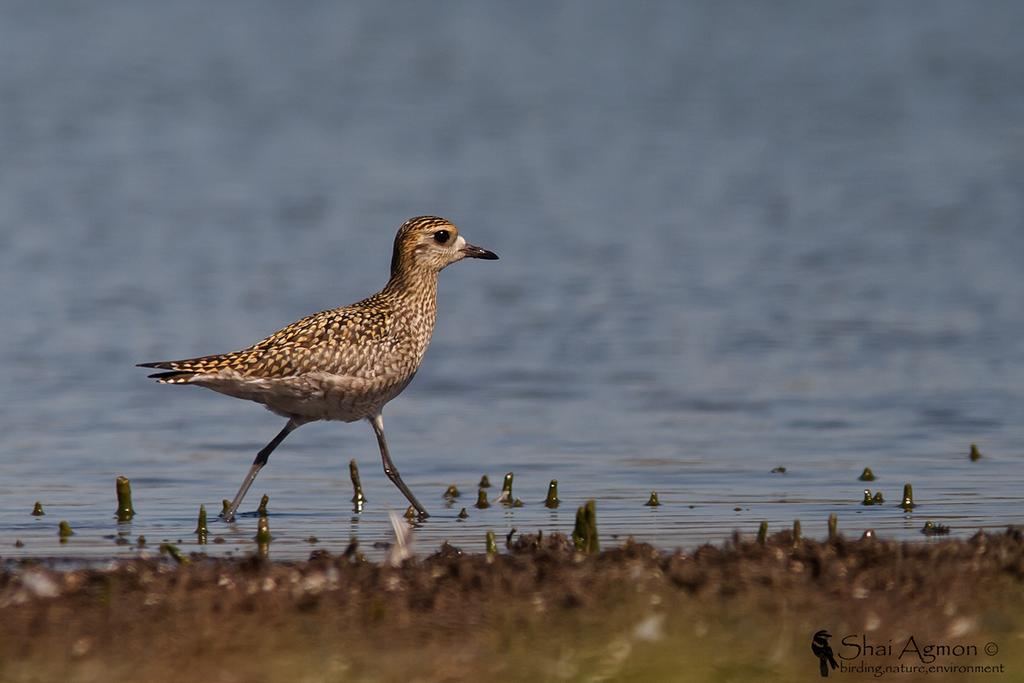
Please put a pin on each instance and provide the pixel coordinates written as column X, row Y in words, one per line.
column 313, row 396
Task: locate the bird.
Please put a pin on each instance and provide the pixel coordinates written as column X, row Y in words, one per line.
column 823, row 651
column 341, row 364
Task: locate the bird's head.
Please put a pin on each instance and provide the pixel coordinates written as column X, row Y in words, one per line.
column 429, row 243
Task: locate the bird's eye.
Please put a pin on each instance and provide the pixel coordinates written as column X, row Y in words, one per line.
column 441, row 236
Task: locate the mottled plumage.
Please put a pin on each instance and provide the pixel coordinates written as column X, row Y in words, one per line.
column 343, row 363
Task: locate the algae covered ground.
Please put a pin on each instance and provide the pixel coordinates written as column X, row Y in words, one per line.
column 538, row 610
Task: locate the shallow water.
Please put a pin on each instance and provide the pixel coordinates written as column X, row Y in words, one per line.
column 732, row 238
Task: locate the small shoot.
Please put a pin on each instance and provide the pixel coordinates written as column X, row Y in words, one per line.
column 202, row 530
column 505, row 497
column 125, row 511
column 492, row 544
column 867, row 475
column 174, row 552
column 653, row 501
column 584, row 535
column 37, row 509
column 358, row 499
column 552, row 500
column 932, row 529
column 908, row 498
column 263, row 531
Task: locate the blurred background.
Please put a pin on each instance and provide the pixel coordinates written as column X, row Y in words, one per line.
column 732, row 237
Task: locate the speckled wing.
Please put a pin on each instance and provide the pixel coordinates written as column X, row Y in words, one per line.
column 338, row 341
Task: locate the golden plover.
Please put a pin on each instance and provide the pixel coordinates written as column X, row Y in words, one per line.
column 344, row 363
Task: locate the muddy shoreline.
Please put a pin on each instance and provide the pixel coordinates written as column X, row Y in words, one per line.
column 740, row 611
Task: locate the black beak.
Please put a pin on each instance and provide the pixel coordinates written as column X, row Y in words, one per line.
column 476, row 252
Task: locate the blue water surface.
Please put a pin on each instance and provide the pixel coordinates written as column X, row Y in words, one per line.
column 732, row 237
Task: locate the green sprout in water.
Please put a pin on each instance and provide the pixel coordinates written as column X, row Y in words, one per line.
column 452, row 492
column 552, row 499
column 492, row 544
column 262, row 509
column 225, row 505
column 481, row 500
column 202, row 531
column 653, row 501
column 64, row 531
column 584, row 535
column 908, row 498
column 797, row 534
column 352, row 550
column 932, row 529
column 878, row 499
column 867, row 475
column 357, row 486
column 172, row 550
column 506, row 490
column 485, row 482
column 975, row 453
column 125, row 511
column 263, row 531
column 37, row 510
column 762, row 533
column 463, row 514
column 867, row 498
column 833, row 527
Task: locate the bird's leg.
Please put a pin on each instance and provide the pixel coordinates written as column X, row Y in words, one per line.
column 257, row 464
column 389, row 467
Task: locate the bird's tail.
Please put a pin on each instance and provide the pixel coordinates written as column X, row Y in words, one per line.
column 173, row 377
column 184, row 371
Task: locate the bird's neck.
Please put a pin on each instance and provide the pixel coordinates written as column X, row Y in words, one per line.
column 416, row 287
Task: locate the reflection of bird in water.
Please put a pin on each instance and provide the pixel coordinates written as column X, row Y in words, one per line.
column 401, row 549
column 345, row 363
column 823, row 651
